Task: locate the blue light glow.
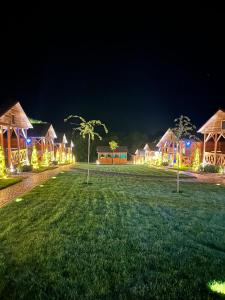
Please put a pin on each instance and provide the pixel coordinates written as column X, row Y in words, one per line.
column 188, row 144
column 28, row 140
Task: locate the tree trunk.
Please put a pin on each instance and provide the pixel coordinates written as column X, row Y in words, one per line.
column 178, row 181
column 178, row 170
column 88, row 174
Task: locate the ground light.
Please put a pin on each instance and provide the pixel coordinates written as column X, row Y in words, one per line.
column 19, row 199
column 217, row 287
column 53, row 177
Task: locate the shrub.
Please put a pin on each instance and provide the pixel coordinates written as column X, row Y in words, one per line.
column 55, row 162
column 165, row 163
column 26, row 168
column 211, row 169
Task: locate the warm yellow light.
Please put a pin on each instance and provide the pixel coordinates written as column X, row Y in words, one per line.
column 19, row 199
column 217, row 287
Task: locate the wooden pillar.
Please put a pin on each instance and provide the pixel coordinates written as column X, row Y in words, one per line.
column 9, row 146
column 204, row 148
column 1, row 137
column 42, row 146
column 27, row 155
column 215, row 148
column 18, row 143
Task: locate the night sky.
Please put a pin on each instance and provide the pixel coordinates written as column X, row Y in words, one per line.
column 135, row 73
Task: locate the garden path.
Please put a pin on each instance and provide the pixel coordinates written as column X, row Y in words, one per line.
column 29, row 181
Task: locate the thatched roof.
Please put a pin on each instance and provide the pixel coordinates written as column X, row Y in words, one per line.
column 146, row 147
column 41, row 130
column 140, row 152
column 12, row 107
column 169, row 136
column 61, row 138
column 214, row 124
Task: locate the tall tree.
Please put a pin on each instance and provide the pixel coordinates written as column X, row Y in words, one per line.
column 113, row 145
column 183, row 129
column 87, row 129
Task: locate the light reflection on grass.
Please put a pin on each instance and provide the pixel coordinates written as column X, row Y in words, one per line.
column 217, row 287
column 19, row 199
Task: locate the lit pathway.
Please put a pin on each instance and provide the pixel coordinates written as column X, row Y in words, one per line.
column 30, row 180
column 207, row 178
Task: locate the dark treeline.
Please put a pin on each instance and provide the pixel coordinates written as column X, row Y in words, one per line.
column 132, row 140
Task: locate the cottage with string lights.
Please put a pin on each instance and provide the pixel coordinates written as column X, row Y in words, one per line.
column 14, row 126
column 214, row 139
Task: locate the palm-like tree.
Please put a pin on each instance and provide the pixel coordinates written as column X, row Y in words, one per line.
column 113, row 146
column 87, row 129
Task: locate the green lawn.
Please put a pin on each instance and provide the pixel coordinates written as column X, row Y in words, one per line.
column 129, row 169
column 118, row 238
column 8, row 181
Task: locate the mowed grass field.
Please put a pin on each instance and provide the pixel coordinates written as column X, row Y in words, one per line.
column 118, row 238
column 142, row 170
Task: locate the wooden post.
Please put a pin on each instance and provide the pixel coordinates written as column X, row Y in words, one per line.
column 215, row 148
column 18, row 143
column 9, row 146
column 42, row 146
column 27, row 156
column 204, row 148
column 1, row 137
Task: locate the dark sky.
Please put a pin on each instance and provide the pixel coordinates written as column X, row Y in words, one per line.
column 135, row 73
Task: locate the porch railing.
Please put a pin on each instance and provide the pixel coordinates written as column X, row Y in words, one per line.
column 210, row 158
column 19, row 156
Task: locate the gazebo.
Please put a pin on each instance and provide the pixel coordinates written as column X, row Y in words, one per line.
column 214, row 139
column 167, row 145
column 168, row 148
column 142, row 156
column 42, row 136
column 14, row 124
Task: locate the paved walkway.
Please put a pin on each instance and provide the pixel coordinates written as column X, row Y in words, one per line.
column 29, row 182
column 208, row 178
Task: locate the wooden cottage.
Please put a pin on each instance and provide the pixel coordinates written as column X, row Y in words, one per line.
column 61, row 141
column 167, row 146
column 214, row 139
column 168, row 149
column 61, row 149
column 42, row 135
column 107, row 156
column 142, row 156
column 14, row 124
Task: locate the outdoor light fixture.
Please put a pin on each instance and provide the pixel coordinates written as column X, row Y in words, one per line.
column 217, row 286
column 19, row 199
column 28, row 141
column 188, row 143
column 12, row 169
